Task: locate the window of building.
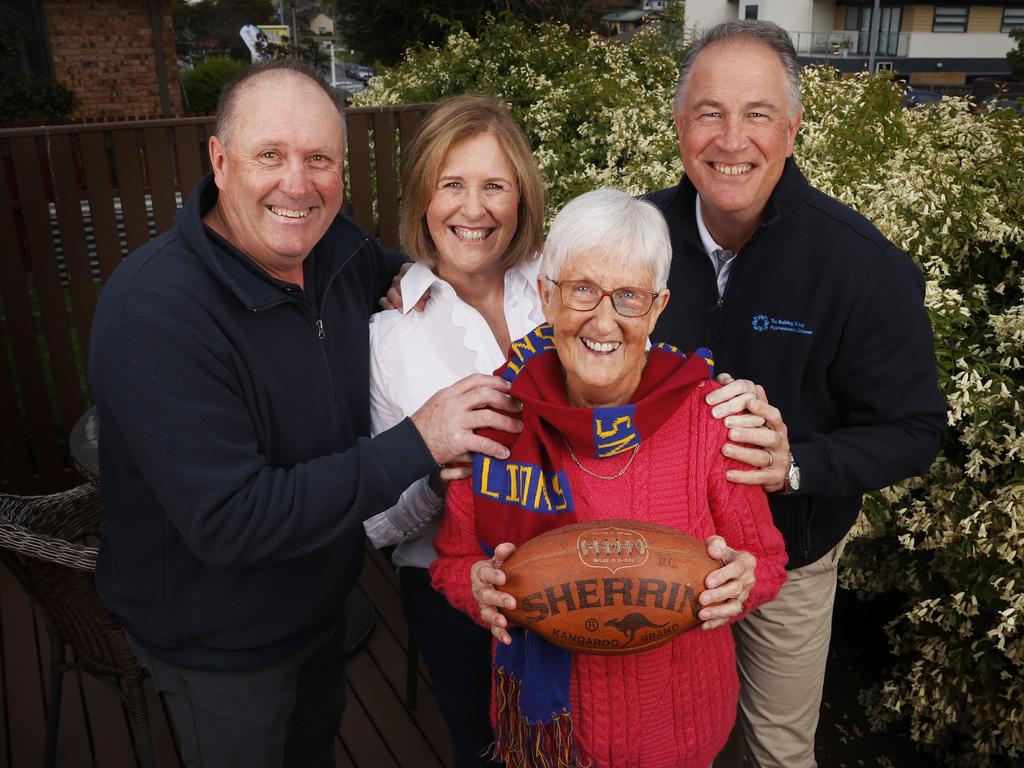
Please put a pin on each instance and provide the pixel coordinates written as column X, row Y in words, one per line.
column 858, row 19
column 750, row 12
column 852, row 18
column 1013, row 18
column 323, row 30
column 950, row 18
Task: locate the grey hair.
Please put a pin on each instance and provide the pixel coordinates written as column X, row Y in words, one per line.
column 609, row 222
column 767, row 33
column 228, row 99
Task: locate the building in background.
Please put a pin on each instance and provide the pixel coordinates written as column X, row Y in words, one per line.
column 116, row 56
column 930, row 44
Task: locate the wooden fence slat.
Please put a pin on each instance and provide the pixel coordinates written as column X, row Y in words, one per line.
column 205, row 132
column 100, row 192
column 160, row 175
column 360, row 190
column 190, row 168
column 20, row 330
column 13, row 451
column 387, row 181
column 53, row 312
column 72, row 234
column 130, row 189
column 409, row 122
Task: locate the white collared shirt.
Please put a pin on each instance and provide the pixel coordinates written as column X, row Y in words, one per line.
column 710, row 246
column 415, row 354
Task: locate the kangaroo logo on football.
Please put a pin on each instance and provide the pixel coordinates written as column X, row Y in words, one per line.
column 612, row 548
column 632, row 623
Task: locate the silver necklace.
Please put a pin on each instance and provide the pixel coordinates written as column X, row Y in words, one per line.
column 617, row 475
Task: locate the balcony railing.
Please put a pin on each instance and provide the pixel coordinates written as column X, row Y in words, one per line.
column 849, row 43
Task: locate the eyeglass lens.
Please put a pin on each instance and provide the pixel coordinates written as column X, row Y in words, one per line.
column 583, row 296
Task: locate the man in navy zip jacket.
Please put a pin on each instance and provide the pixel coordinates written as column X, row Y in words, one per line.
column 796, row 292
column 229, row 363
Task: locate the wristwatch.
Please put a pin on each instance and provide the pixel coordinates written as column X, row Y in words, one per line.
column 792, row 484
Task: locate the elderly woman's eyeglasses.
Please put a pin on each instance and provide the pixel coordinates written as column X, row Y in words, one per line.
column 583, row 296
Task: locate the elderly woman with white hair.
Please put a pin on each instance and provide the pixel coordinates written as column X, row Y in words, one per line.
column 602, row 285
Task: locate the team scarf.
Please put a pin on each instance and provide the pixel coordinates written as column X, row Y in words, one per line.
column 529, row 493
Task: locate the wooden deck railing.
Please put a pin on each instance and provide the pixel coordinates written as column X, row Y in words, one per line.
column 74, row 201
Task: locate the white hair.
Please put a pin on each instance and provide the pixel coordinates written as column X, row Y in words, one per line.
column 611, row 224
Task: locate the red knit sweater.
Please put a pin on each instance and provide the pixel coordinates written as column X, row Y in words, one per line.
column 671, row 707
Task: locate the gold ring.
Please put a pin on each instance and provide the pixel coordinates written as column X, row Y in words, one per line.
column 771, row 460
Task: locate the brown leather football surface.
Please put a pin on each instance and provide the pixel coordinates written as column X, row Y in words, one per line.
column 608, row 586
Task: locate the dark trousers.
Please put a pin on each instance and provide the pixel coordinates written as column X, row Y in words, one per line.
column 458, row 655
column 286, row 714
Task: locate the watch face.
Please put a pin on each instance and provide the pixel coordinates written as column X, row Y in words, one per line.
column 794, row 477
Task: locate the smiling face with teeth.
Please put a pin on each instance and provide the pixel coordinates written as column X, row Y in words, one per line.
column 602, row 352
column 474, row 211
column 736, row 128
column 280, row 173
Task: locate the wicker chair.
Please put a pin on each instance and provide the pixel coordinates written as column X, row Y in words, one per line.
column 43, row 543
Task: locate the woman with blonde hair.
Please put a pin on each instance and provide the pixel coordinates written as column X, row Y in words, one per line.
column 472, row 217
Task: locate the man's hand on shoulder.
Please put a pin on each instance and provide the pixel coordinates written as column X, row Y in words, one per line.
column 447, row 420
column 757, row 433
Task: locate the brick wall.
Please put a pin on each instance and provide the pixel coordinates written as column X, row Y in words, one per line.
column 103, row 51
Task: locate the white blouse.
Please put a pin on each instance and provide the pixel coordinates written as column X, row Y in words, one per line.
column 415, row 354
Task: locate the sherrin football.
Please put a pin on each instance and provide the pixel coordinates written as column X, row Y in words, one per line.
column 608, row 586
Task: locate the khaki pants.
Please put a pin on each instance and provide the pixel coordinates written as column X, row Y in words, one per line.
column 781, row 651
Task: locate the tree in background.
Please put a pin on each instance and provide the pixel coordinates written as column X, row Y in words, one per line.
column 210, row 27
column 383, row 29
column 1016, row 56
column 203, row 83
column 24, row 94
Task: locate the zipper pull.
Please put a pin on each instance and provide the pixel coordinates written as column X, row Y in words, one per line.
column 319, row 328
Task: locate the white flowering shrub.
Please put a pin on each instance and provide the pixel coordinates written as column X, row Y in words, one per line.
column 596, row 113
column 945, row 185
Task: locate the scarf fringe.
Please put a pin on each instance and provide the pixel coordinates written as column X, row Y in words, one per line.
column 522, row 744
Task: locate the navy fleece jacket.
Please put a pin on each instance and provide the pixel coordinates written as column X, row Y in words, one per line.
column 828, row 315
column 235, row 461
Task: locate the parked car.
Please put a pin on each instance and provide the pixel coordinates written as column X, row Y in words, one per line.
column 358, row 72
column 914, row 98
column 348, row 86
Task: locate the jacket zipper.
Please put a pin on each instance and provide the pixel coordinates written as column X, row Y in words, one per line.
column 319, row 321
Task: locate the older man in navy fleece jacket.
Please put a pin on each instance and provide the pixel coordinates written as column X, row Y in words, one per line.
column 230, row 366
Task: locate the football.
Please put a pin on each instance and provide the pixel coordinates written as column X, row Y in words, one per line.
column 608, row 586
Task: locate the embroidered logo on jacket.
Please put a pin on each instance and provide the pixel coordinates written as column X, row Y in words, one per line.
column 762, row 323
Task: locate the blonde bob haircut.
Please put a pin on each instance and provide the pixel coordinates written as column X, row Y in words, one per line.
column 449, row 122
